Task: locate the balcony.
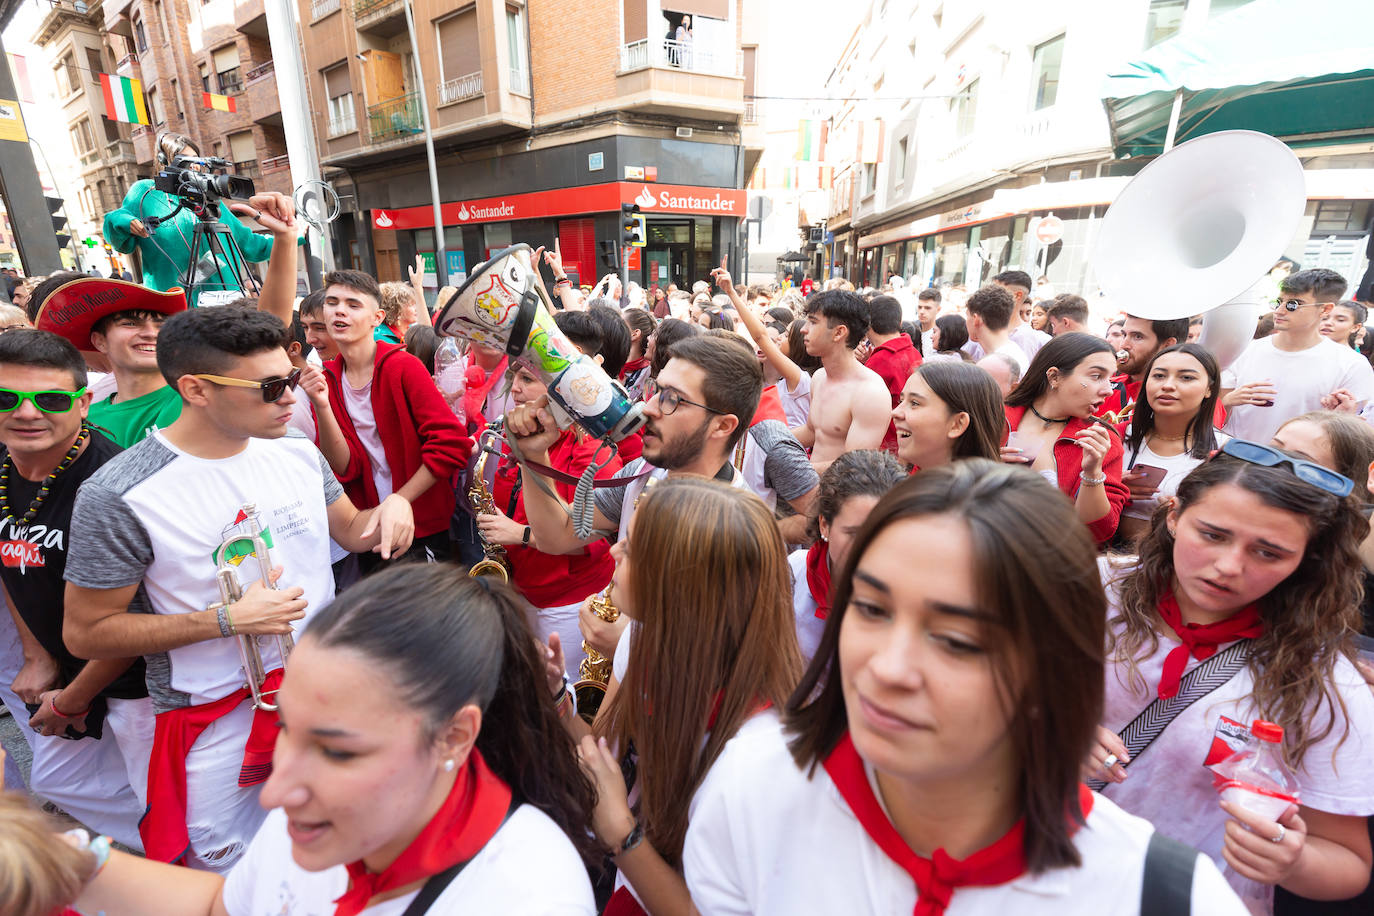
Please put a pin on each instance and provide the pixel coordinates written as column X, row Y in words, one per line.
column 128, row 65
column 143, row 138
column 263, row 99
column 250, row 18
column 681, row 79
column 394, row 119
column 276, row 175
column 321, row 8
column 460, row 89
column 275, row 164
column 383, row 18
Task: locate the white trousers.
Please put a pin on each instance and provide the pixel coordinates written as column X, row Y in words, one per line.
column 563, row 621
column 221, row 816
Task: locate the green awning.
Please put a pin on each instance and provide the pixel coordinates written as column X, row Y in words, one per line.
column 1299, row 70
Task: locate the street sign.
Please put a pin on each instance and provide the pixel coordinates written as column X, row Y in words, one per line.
column 1049, row 230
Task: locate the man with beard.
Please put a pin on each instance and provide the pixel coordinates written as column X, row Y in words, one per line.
column 1144, row 338
column 706, row 396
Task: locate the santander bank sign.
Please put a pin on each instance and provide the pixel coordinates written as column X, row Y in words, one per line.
column 674, row 199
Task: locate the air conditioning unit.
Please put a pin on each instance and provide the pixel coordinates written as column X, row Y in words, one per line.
column 684, row 132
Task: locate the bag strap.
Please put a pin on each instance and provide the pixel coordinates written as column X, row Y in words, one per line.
column 1166, row 889
column 438, row 883
column 1196, row 684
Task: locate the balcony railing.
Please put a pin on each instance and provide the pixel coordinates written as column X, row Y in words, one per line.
column 365, row 8
column 261, row 71
column 460, row 88
column 520, row 81
column 398, row 117
column 343, row 123
column 751, row 111
column 275, row 164
column 248, row 168
column 680, row 55
column 128, row 60
column 321, row 8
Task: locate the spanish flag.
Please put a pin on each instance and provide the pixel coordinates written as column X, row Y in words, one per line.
column 124, row 99
column 219, row 102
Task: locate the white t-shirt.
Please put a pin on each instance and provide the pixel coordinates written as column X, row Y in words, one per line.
column 809, row 626
column 796, row 405
column 528, row 867
column 158, row 515
column 765, row 839
column 358, row 403
column 1300, row 378
column 1176, row 467
column 1012, row 351
column 1168, row 784
column 1029, row 339
column 928, row 343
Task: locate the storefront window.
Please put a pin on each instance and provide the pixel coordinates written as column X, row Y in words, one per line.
column 951, row 257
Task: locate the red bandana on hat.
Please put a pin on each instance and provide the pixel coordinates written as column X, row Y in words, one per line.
column 1200, row 640
column 938, row 877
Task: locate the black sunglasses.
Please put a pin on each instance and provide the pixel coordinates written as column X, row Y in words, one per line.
column 1306, row 471
column 272, row 389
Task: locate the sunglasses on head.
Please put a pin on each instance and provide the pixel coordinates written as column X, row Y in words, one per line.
column 272, row 389
column 1306, row 471
column 46, row 401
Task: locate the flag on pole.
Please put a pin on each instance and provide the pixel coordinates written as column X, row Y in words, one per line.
column 124, row 99
column 219, row 102
column 811, row 140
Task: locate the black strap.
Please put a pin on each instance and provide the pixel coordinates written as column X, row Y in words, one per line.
column 437, row 883
column 1196, row 684
column 524, row 320
column 1166, row 888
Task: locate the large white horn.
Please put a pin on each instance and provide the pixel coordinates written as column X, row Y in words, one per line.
column 1197, row 228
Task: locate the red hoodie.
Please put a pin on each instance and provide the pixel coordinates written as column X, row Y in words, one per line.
column 415, row 425
column 1068, row 464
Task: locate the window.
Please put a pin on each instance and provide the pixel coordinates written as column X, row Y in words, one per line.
column 1345, row 216
column 338, row 89
column 140, row 37
column 228, row 75
column 515, row 42
column 1164, row 20
column 965, row 108
column 460, row 52
column 155, row 107
column 176, row 101
column 870, row 178
column 244, row 154
column 1045, row 65
column 78, row 141
column 68, row 79
column 161, row 21
column 87, row 135
column 899, row 167
column 204, row 77
column 94, row 64
column 111, row 130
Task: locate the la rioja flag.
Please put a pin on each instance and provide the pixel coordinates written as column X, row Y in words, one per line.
column 124, row 99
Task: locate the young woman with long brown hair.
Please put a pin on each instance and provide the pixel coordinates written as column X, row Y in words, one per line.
column 948, row 410
column 1257, row 555
column 927, row 761
column 704, row 579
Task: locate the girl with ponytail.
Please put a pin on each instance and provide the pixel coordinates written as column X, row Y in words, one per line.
column 418, row 759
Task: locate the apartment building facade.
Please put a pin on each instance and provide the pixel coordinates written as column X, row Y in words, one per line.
column 992, row 119
column 179, row 49
column 546, row 117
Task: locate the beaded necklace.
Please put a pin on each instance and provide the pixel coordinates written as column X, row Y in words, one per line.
column 7, row 467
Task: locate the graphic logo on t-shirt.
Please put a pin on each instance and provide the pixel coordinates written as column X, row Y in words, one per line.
column 21, row 554
column 240, row 549
column 21, row 546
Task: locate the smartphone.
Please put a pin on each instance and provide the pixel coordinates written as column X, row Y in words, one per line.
column 1151, row 475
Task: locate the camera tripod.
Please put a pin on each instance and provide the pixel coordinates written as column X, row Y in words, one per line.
column 213, row 254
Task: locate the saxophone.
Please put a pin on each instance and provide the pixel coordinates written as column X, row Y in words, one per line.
column 495, row 562
column 595, row 670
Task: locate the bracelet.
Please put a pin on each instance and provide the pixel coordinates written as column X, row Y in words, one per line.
column 62, row 715
column 559, row 281
column 1092, row 481
column 564, row 705
column 562, row 691
column 526, row 539
column 222, row 615
column 98, row 847
column 635, row 837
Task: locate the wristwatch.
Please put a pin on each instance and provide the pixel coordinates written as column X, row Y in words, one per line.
column 526, row 538
column 630, row 842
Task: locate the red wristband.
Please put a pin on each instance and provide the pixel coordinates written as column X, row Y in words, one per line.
column 62, row 715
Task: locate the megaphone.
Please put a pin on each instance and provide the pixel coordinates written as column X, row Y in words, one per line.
column 504, row 305
column 1196, row 231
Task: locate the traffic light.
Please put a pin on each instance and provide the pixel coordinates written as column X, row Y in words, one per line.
column 629, row 224
column 58, row 222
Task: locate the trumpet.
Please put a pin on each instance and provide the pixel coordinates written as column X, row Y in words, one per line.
column 495, row 562
column 231, row 589
column 595, row 670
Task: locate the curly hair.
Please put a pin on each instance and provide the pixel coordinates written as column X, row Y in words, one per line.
column 1310, row 618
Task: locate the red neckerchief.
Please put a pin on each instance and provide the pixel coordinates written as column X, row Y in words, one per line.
column 163, row 827
column 818, row 576
column 632, row 366
column 470, row 816
column 770, row 407
column 938, row 877
column 1200, row 640
column 475, row 397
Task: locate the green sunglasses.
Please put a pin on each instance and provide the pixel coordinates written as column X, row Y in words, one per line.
column 46, row 401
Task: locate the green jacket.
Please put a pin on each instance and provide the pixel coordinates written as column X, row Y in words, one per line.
column 162, row 271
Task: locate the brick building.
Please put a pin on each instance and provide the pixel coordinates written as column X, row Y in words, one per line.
column 547, row 115
column 178, row 49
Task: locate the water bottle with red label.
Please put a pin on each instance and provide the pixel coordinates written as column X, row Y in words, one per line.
column 1255, row 777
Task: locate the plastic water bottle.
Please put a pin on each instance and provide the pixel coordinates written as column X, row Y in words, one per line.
column 1256, row 777
column 448, row 375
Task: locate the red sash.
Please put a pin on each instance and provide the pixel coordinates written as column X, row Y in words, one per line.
column 938, row 877
column 163, row 827
column 474, row 810
column 770, row 407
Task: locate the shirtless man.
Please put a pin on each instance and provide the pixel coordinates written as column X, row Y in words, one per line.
column 850, row 404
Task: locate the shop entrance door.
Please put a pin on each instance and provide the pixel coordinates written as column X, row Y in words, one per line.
column 667, row 256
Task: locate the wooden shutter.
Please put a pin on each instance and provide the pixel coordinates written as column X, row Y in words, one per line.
column 460, row 52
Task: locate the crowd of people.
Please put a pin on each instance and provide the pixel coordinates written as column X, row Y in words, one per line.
column 887, row 590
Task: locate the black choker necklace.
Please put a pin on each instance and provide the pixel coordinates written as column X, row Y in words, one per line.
column 1048, row 420
column 8, row 465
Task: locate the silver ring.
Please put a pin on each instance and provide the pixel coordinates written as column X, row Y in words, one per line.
column 1110, row 761
column 1283, row 832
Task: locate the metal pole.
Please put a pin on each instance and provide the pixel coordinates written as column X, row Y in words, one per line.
column 440, row 257
column 1173, row 121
